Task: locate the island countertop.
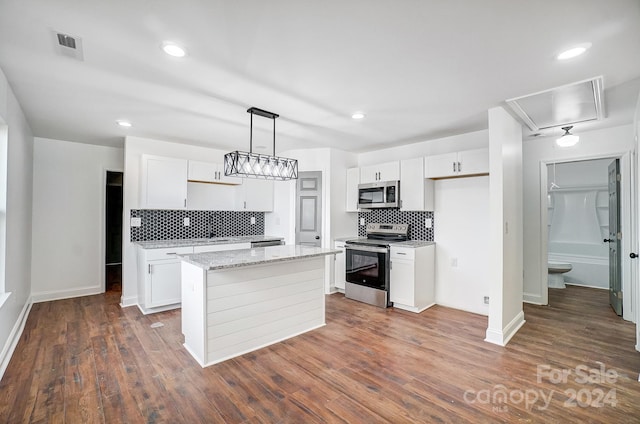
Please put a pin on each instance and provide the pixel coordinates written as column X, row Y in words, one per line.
column 255, row 256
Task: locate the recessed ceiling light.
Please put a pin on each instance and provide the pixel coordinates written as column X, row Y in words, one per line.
column 172, row 49
column 358, row 115
column 123, row 123
column 574, row 51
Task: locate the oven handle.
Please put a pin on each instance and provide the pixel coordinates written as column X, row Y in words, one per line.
column 364, row 248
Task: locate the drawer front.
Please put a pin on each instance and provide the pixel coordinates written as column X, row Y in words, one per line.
column 165, row 253
column 401, row 253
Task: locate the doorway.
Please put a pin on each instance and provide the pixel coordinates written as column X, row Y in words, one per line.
column 113, row 231
column 309, row 208
column 584, row 225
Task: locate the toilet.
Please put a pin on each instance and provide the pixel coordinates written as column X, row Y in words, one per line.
column 556, row 274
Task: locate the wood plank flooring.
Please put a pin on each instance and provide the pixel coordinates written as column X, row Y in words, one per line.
column 86, row 360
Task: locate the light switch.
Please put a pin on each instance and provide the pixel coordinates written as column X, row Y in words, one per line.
column 136, row 222
column 186, row 222
column 253, row 220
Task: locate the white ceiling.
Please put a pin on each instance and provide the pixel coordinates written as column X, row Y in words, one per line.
column 419, row 69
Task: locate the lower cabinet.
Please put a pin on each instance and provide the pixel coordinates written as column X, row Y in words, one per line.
column 340, row 266
column 159, row 275
column 159, row 278
column 412, row 286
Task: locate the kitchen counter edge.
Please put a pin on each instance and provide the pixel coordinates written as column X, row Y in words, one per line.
column 162, row 244
column 210, row 261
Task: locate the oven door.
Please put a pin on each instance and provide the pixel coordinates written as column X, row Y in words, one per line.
column 368, row 266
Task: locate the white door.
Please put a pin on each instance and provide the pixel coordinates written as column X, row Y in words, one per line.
column 309, row 208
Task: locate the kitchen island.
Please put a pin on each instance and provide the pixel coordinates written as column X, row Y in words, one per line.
column 237, row 301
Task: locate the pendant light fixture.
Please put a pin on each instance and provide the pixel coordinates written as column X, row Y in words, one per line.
column 255, row 165
column 567, row 139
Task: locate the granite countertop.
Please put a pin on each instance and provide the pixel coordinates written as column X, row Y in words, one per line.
column 258, row 255
column 160, row 244
column 412, row 243
column 345, row 238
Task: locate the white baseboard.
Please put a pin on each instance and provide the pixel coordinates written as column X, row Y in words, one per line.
column 502, row 337
column 534, row 299
column 484, row 312
column 128, row 301
column 65, row 294
column 14, row 337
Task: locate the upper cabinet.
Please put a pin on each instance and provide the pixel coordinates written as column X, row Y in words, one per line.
column 388, row 171
column 255, row 195
column 163, row 183
column 205, row 172
column 416, row 192
column 353, row 179
column 457, row 164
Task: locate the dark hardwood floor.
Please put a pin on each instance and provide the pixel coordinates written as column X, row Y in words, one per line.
column 86, row 360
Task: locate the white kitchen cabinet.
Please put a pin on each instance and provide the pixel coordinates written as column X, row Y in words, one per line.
column 255, row 195
column 353, row 179
column 206, row 172
column 159, row 278
column 340, row 266
column 457, row 164
column 163, row 183
column 416, row 192
column 388, row 171
column 412, row 285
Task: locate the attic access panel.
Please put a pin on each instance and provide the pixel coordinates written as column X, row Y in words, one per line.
column 569, row 104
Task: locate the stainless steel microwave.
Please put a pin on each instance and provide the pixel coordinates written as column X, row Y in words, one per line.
column 383, row 194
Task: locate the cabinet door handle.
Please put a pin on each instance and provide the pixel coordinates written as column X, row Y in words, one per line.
column 245, row 204
column 149, row 269
column 459, row 167
column 400, row 253
column 454, row 167
column 185, row 202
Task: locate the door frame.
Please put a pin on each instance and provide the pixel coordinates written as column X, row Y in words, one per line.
column 103, row 225
column 627, row 183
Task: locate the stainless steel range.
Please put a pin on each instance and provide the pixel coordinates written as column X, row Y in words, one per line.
column 368, row 263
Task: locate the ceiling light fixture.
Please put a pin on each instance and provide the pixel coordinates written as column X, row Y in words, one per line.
column 172, row 49
column 255, row 165
column 358, row 115
column 567, row 139
column 123, row 123
column 574, row 51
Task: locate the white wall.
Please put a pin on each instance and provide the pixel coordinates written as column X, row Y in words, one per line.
column 17, row 258
column 608, row 142
column 462, row 214
column 68, row 217
column 505, row 227
column 134, row 147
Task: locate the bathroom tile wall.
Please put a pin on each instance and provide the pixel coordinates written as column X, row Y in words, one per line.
column 416, row 221
column 160, row 224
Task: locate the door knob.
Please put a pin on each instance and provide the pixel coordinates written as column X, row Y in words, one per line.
column 317, row 237
column 633, row 255
column 608, row 240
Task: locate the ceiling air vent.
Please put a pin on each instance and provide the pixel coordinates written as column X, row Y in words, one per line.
column 569, row 104
column 68, row 45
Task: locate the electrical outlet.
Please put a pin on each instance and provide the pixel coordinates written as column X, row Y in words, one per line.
column 253, row 220
column 136, row 222
column 486, row 300
column 428, row 222
column 454, row 262
column 185, row 222
column 361, row 221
